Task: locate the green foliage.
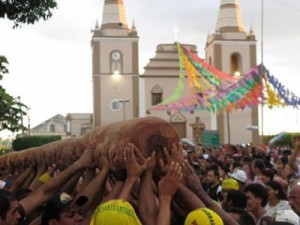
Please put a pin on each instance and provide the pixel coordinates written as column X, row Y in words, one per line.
column 33, row 141
column 11, row 109
column 26, row 11
column 21, row 12
column 286, row 141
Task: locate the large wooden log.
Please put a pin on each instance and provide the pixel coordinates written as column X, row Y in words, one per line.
column 147, row 134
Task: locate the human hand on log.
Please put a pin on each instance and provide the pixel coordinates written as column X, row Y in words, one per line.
column 134, row 169
column 104, row 162
column 170, row 182
column 152, row 163
column 176, row 157
column 116, row 158
column 87, row 159
column 190, row 176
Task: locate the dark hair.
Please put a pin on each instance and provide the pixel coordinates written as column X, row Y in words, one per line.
column 238, row 198
column 247, row 159
column 6, row 198
column 284, row 160
column 244, row 217
column 277, row 187
column 258, row 191
column 236, row 165
column 215, row 171
column 259, row 163
column 268, row 173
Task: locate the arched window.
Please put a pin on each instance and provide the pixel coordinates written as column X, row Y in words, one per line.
column 236, row 64
column 156, row 95
column 52, row 128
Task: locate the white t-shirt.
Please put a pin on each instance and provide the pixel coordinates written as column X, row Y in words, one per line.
column 282, row 205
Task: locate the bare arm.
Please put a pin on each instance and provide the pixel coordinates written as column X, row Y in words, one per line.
column 197, row 188
column 95, row 189
column 167, row 188
column 44, row 192
column 292, row 160
column 29, row 180
column 188, row 199
column 21, row 179
column 41, row 169
column 134, row 170
column 147, row 207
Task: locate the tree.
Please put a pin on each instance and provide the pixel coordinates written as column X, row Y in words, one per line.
column 21, row 12
column 11, row 109
column 26, row 11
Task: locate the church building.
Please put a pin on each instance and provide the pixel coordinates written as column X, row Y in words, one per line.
column 120, row 92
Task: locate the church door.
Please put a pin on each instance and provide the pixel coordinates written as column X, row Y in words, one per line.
column 179, row 122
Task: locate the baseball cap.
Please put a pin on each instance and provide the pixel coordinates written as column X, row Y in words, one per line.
column 59, row 203
column 113, row 212
column 239, row 175
column 229, row 184
column 285, row 217
column 203, row 216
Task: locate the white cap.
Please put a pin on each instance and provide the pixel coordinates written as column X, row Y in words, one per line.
column 239, row 175
column 2, row 184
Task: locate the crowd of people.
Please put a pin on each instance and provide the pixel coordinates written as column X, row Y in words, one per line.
column 230, row 185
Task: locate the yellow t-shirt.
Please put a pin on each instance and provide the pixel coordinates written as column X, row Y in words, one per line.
column 115, row 212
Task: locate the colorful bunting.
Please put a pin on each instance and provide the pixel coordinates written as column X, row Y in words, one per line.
column 216, row 91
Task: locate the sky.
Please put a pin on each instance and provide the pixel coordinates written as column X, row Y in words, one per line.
column 50, row 61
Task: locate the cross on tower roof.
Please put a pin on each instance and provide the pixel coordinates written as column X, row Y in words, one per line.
column 176, row 31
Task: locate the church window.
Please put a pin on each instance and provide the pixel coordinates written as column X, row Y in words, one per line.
column 156, row 95
column 235, row 62
column 52, row 128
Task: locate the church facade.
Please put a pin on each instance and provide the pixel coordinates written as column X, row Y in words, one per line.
column 120, row 92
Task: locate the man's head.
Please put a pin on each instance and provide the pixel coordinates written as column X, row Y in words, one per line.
column 257, row 197
column 257, row 166
column 294, row 199
column 9, row 209
column 61, row 209
column 234, row 199
column 212, row 176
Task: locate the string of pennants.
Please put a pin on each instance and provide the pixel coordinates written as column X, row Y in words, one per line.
column 215, row 91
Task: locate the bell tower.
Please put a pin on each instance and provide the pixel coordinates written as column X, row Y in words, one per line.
column 233, row 50
column 114, row 66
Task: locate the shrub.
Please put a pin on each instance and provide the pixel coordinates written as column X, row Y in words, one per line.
column 33, row 141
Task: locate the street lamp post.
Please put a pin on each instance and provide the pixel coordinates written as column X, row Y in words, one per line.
column 19, row 98
column 28, row 125
column 228, row 127
column 123, row 101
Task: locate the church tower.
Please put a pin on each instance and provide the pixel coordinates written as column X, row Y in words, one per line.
column 115, row 66
column 233, row 50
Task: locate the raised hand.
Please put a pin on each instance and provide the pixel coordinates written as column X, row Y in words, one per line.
column 169, row 183
column 116, row 158
column 103, row 159
column 191, row 178
column 152, row 163
column 164, row 167
column 134, row 169
column 87, row 159
column 176, row 153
